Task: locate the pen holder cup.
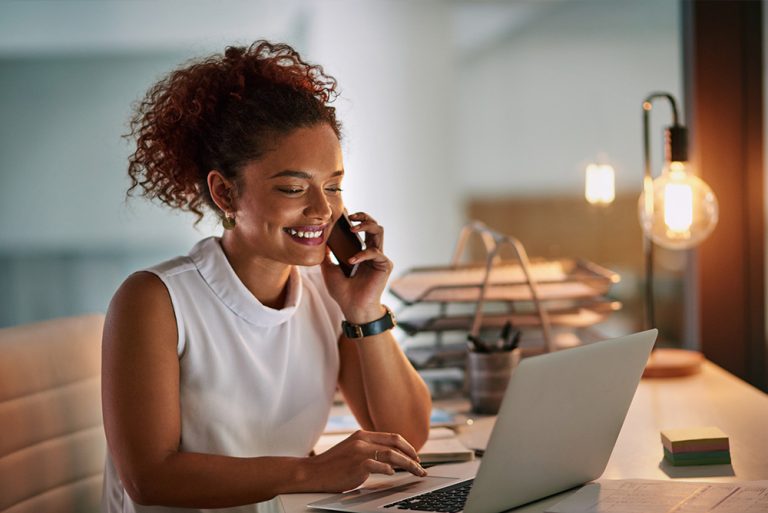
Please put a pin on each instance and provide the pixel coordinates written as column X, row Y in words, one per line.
column 488, row 375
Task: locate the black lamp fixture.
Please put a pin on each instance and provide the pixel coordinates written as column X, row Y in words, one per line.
column 677, row 210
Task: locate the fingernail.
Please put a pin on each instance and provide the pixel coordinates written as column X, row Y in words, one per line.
column 353, row 260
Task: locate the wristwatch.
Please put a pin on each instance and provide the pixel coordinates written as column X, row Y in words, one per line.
column 380, row 325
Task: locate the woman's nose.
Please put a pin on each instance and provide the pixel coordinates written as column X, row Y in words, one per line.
column 318, row 206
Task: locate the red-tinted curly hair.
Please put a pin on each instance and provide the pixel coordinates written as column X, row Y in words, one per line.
column 220, row 113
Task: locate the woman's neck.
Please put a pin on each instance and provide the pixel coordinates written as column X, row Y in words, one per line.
column 266, row 279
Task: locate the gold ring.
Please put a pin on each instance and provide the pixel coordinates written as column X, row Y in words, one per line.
column 376, row 456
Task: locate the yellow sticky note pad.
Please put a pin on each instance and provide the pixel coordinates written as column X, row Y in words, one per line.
column 708, row 438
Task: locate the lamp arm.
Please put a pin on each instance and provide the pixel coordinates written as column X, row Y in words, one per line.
column 648, row 104
column 650, row 314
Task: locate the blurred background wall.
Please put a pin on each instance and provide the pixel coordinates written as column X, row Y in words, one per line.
column 448, row 107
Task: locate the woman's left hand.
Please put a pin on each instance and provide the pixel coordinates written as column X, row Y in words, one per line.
column 360, row 296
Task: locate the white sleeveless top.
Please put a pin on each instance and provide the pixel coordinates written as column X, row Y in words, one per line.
column 254, row 381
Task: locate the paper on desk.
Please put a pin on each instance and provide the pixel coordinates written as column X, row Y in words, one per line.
column 442, row 446
column 645, row 496
column 445, row 450
column 347, row 423
column 328, row 440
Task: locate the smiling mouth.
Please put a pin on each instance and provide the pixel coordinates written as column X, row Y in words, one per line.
column 307, row 233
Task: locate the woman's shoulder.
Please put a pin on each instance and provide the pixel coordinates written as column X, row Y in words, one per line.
column 142, row 289
column 172, row 266
column 147, row 292
column 141, row 309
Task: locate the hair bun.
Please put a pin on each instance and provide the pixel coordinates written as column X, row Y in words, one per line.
column 234, row 52
column 220, row 112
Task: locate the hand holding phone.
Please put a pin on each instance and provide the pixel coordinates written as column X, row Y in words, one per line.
column 344, row 244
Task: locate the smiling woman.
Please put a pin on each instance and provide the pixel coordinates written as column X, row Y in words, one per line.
column 219, row 368
column 292, row 191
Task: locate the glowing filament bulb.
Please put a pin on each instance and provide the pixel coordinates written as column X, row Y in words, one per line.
column 678, row 209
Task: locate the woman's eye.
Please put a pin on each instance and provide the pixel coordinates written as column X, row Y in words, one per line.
column 291, row 190
column 334, row 189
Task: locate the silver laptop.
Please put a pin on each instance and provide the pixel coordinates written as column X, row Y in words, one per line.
column 556, row 428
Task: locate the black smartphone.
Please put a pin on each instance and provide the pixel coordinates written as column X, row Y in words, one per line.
column 345, row 244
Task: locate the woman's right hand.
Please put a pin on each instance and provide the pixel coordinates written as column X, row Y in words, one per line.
column 348, row 464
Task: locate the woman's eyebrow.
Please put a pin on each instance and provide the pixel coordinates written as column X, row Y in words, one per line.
column 301, row 174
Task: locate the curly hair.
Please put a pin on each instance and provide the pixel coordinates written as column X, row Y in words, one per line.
column 219, row 113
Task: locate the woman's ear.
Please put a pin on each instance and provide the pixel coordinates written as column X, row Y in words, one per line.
column 222, row 191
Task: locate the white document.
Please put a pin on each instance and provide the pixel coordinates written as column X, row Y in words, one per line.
column 646, row 496
column 443, row 449
column 442, row 446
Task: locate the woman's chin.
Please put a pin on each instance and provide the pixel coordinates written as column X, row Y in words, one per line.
column 310, row 259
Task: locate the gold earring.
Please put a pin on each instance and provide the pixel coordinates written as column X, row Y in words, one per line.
column 229, row 221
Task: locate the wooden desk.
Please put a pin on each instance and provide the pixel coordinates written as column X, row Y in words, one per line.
column 713, row 397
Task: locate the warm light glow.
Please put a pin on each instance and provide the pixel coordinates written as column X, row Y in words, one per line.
column 599, row 186
column 647, row 205
column 677, row 210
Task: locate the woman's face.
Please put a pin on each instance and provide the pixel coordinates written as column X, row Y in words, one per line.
column 289, row 199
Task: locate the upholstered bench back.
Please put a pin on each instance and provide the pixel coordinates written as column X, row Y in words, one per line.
column 51, row 435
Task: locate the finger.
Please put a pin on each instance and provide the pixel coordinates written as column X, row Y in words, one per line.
column 378, row 467
column 373, row 255
column 395, row 458
column 369, row 227
column 374, row 234
column 392, row 440
column 362, row 217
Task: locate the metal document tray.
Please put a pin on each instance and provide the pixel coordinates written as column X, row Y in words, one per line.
column 582, row 314
column 556, row 279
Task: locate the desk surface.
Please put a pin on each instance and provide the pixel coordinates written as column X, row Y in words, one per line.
column 712, row 398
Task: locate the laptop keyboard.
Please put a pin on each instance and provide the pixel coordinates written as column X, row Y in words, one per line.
column 450, row 499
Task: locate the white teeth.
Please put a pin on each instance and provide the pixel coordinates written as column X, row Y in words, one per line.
column 305, row 235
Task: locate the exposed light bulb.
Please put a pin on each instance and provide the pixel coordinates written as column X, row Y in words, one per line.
column 599, row 186
column 679, row 210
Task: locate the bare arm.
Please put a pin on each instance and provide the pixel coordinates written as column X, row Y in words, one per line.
column 140, row 396
column 382, row 388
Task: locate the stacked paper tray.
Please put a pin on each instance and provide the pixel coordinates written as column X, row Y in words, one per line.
column 555, row 279
column 582, row 315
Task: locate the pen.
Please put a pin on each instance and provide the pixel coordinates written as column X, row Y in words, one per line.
column 476, row 345
column 515, row 341
column 501, row 342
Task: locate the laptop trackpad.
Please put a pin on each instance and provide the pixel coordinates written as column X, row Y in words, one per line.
column 370, row 498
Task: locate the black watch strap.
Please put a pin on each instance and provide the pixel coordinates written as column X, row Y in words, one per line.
column 380, row 325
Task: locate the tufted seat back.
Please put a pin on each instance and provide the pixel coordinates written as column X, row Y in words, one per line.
column 51, row 435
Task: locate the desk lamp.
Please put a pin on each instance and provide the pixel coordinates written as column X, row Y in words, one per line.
column 677, row 210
